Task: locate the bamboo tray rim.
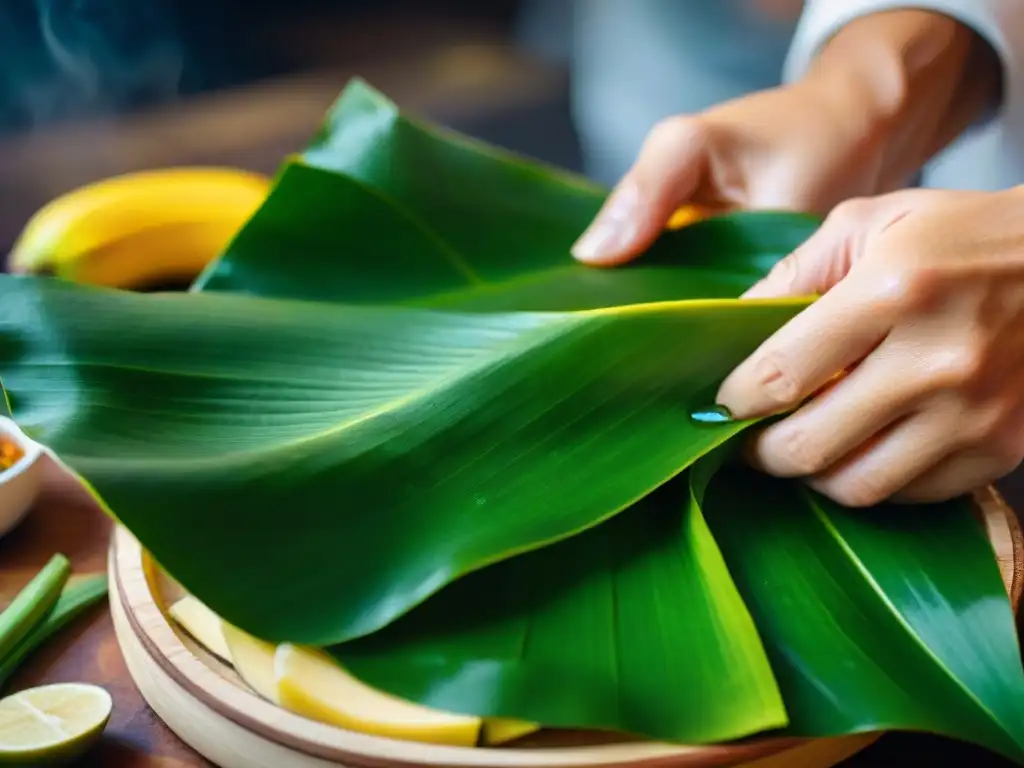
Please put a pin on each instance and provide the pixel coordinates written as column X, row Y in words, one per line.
column 133, row 572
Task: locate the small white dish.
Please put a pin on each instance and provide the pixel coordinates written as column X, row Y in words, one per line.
column 19, row 485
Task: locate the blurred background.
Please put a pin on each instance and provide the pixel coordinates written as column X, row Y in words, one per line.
column 94, row 88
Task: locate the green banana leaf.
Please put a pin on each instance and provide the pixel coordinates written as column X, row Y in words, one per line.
column 480, row 500
column 367, row 422
column 576, row 632
column 869, row 622
column 353, row 441
column 451, row 223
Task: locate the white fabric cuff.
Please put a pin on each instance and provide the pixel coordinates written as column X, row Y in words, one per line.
column 990, row 154
column 999, row 22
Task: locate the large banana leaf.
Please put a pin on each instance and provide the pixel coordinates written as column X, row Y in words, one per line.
column 533, row 550
column 429, row 444
column 244, row 440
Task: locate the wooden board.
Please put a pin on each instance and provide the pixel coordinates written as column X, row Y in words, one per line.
column 202, row 699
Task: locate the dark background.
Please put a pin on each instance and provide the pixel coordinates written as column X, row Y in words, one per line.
column 221, row 43
column 93, row 88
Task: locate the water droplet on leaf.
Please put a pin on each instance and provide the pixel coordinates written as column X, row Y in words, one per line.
column 715, row 414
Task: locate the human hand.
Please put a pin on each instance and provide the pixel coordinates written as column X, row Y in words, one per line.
column 800, row 147
column 922, row 305
column 888, row 91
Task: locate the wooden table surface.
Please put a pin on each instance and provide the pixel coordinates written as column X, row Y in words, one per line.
column 66, row 520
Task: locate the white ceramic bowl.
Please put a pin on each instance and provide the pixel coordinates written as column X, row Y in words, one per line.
column 19, row 485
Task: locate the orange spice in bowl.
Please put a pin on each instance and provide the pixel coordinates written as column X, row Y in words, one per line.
column 20, row 474
column 10, row 453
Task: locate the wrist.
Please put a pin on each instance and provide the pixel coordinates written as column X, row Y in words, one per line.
column 910, row 80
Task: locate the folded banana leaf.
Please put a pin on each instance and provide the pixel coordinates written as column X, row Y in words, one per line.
column 634, row 625
column 451, row 223
column 397, row 420
column 868, row 620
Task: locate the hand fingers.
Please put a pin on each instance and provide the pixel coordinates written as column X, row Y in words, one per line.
column 858, row 308
column 906, row 451
column 667, row 171
column 830, row 335
column 999, row 452
column 956, row 475
column 837, row 422
column 812, row 269
column 826, row 257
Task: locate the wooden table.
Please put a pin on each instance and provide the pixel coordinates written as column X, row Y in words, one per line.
column 66, row 520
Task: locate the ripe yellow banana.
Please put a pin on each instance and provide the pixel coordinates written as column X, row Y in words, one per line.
column 141, row 228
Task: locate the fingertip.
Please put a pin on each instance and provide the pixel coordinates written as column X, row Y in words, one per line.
column 729, row 397
column 663, row 177
column 602, row 245
column 617, row 233
column 762, row 289
column 605, row 261
column 741, row 392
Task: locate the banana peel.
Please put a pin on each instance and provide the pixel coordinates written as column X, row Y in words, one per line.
column 139, row 229
column 307, row 682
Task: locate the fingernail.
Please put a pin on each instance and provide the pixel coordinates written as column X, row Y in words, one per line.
column 614, row 229
column 733, row 393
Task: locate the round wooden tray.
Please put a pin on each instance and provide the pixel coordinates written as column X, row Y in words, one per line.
column 210, row 708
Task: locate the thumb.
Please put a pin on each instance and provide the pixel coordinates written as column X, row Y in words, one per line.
column 666, row 173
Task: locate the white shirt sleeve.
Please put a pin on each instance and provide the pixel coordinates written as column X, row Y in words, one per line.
column 989, row 155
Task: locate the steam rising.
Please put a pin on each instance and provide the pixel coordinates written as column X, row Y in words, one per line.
column 97, row 57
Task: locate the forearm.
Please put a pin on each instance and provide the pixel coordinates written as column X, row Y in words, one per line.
column 914, row 79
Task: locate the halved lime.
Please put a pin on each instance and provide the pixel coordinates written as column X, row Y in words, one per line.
column 52, row 723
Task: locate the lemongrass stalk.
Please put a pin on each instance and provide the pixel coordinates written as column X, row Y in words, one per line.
column 75, row 599
column 32, row 604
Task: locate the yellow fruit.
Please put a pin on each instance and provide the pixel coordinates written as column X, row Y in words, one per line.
column 203, row 624
column 687, row 214
column 140, row 228
column 52, row 723
column 312, row 684
column 253, row 660
column 497, row 731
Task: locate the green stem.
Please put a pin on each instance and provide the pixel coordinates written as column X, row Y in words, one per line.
column 33, row 603
column 74, row 601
